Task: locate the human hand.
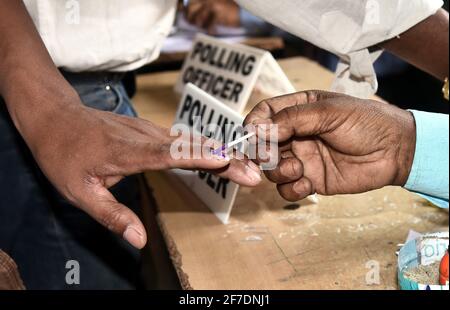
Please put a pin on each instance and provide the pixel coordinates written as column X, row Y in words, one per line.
column 84, row 151
column 336, row 144
column 207, row 14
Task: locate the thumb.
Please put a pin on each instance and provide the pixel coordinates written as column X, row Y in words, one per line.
column 99, row 203
column 303, row 121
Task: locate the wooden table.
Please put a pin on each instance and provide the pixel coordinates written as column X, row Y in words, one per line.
column 328, row 245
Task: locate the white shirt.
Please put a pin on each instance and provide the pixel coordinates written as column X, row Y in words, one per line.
column 108, row 35
column 346, row 28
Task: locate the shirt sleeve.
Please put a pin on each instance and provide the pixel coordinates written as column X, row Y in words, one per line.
column 346, row 28
column 430, row 170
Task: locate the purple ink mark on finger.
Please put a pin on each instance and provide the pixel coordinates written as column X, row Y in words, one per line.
column 220, row 151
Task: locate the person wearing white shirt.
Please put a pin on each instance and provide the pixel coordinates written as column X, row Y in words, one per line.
column 348, row 29
column 61, row 75
column 357, row 31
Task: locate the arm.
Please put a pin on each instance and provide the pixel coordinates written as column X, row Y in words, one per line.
column 425, row 45
column 25, row 63
column 83, row 151
column 336, row 144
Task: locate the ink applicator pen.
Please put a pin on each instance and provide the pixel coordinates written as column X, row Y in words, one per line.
column 223, row 148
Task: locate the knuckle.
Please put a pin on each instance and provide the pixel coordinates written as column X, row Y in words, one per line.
column 154, row 155
column 301, row 97
column 291, row 168
column 260, row 109
column 290, row 115
column 164, row 151
column 286, row 113
column 112, row 218
column 312, row 96
column 164, row 148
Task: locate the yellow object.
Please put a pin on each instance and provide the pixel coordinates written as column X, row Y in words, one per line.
column 445, row 89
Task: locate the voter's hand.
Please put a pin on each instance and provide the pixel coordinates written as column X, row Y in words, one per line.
column 335, row 144
column 207, row 14
column 84, row 151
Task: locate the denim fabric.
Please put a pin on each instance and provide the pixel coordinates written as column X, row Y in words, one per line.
column 41, row 231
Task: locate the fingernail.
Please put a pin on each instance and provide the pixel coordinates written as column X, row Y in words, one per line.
column 298, row 187
column 134, row 237
column 223, row 157
column 302, row 187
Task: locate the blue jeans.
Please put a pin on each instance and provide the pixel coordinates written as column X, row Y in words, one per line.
column 41, row 231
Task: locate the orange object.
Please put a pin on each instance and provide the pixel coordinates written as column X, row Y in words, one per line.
column 443, row 270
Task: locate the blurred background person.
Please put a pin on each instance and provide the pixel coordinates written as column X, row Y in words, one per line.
column 395, row 76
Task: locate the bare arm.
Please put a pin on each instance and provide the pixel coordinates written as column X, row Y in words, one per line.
column 83, row 151
column 26, row 69
column 425, row 45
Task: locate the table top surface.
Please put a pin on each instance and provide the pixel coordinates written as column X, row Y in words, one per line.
column 338, row 242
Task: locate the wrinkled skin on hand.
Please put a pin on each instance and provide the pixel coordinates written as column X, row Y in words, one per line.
column 83, row 152
column 336, row 144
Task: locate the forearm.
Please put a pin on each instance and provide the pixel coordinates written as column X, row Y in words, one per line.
column 425, row 45
column 28, row 75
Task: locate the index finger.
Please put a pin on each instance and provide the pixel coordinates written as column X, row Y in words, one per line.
column 269, row 107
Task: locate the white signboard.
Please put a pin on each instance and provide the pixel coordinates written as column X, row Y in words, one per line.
column 230, row 72
column 199, row 110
